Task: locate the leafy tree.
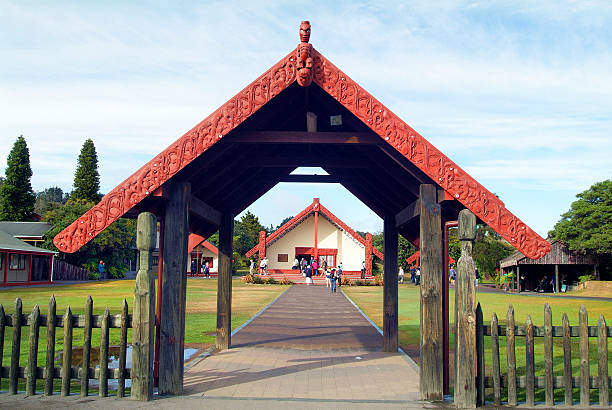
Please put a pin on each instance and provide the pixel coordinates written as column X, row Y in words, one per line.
column 86, row 177
column 113, row 245
column 16, row 194
column 587, row 226
column 44, row 199
column 404, row 248
column 1, row 181
column 284, row 221
column 246, row 233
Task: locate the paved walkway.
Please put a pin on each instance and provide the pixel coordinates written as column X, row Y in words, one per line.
column 309, row 350
column 309, row 344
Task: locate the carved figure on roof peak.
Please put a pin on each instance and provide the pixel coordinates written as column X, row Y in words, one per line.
column 304, row 56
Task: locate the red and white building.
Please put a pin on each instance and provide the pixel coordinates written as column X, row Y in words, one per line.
column 22, row 263
column 319, row 234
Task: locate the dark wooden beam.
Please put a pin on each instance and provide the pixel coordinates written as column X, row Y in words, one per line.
column 408, row 214
column 390, row 321
column 326, row 179
column 292, row 160
column 304, row 137
column 202, row 210
column 431, row 375
column 172, row 335
column 224, row 282
column 405, row 163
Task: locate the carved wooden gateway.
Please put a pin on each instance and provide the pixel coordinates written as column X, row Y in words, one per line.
column 216, row 170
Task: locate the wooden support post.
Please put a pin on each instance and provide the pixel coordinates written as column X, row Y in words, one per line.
column 143, row 321
column 602, row 362
column 16, row 347
column 390, row 340
column 431, row 357
column 556, row 278
column 224, row 282
column 86, row 347
column 583, row 330
column 50, row 363
column 368, row 255
column 465, row 303
column 567, row 361
column 518, row 278
column 172, row 333
column 33, row 352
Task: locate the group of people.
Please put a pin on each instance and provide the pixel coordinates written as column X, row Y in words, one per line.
column 204, row 269
column 415, row 275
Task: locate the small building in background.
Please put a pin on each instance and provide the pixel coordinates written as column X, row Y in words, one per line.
column 561, row 266
column 316, row 233
column 22, row 263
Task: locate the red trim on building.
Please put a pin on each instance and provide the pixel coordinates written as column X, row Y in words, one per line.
column 399, row 135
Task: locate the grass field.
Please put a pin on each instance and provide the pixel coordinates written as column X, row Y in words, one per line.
column 369, row 299
column 200, row 322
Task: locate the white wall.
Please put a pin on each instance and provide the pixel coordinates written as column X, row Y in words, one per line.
column 350, row 252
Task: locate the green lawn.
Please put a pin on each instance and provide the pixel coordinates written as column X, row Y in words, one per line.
column 200, row 323
column 369, row 299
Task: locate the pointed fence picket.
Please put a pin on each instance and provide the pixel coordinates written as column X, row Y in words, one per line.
column 510, row 381
column 67, row 373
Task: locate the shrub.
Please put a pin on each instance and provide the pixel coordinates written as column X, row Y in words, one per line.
column 247, row 278
column 586, row 278
column 358, row 283
column 346, row 282
column 270, row 281
column 378, row 280
column 285, row 281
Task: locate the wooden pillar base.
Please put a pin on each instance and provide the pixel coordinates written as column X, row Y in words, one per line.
column 431, row 357
column 224, row 283
column 390, row 321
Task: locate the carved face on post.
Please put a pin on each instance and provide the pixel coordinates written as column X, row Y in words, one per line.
column 305, row 31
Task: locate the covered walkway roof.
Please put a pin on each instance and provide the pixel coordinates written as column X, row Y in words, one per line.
column 257, row 138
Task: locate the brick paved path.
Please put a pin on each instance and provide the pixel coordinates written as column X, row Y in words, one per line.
column 309, row 344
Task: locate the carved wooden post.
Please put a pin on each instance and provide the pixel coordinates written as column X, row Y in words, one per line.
column 143, row 320
column 176, row 233
column 465, row 303
column 390, row 340
column 431, row 357
column 224, row 282
column 368, row 254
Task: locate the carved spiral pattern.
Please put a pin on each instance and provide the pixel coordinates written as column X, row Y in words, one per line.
column 161, row 168
column 428, row 158
column 368, row 252
column 348, row 93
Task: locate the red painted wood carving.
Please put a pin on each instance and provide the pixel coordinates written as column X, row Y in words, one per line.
column 303, row 56
column 178, row 155
column 381, row 120
column 368, row 253
column 428, row 158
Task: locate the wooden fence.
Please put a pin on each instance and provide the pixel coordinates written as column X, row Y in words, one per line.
column 31, row 372
column 66, row 271
column 549, row 381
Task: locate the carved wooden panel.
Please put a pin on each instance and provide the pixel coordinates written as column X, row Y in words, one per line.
column 428, row 158
column 178, row 155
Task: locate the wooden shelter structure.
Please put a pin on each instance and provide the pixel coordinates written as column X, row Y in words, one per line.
column 303, row 104
column 559, row 262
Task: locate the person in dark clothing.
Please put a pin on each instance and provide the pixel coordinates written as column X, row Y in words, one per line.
column 194, row 266
column 308, row 272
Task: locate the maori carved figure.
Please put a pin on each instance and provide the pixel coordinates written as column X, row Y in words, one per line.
column 426, row 157
column 304, row 59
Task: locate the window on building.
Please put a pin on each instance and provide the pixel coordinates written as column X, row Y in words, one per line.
column 17, row 261
column 283, row 257
column 40, row 268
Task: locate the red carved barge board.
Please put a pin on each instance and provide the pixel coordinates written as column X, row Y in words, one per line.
column 347, row 92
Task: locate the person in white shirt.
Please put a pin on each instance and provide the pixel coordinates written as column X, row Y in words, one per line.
column 401, row 274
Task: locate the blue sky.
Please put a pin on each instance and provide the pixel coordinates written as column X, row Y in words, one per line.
column 519, row 94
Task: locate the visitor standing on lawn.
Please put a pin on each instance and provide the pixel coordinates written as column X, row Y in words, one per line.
column 332, row 279
column 101, row 268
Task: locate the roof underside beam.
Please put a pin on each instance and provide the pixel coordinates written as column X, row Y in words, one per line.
column 304, row 137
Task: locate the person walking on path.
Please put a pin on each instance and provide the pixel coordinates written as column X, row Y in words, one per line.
column 308, row 273
column 206, row 270
column 339, row 274
column 332, row 279
column 477, row 275
column 327, row 278
column 194, row 267
column 453, row 274
column 101, row 268
column 315, row 268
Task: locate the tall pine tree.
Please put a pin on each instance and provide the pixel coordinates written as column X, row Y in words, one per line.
column 16, row 194
column 86, row 177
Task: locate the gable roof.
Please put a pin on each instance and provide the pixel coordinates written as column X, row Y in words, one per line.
column 9, row 243
column 398, row 140
column 196, row 240
column 25, row 230
column 560, row 254
column 309, row 210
